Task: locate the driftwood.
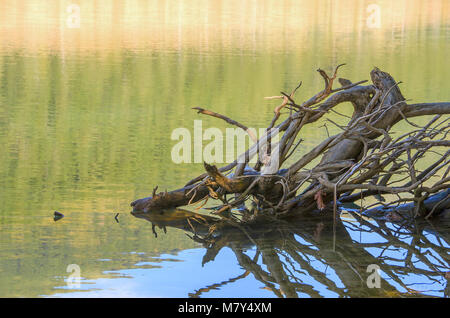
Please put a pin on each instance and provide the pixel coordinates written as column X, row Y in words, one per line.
column 366, row 160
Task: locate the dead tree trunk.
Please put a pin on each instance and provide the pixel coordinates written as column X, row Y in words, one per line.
column 362, row 161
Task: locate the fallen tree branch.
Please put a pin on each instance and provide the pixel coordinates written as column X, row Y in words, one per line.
column 365, row 160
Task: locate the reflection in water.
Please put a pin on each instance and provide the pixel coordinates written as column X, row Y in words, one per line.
column 302, row 257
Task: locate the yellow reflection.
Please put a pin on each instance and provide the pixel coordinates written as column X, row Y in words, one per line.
column 205, row 24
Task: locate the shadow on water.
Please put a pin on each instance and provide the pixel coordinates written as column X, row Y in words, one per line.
column 293, row 257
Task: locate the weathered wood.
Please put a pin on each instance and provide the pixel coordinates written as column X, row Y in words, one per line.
column 364, row 157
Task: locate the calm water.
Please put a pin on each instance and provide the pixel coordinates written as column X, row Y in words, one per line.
column 86, row 115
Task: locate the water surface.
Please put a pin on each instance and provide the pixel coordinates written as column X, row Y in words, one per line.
column 86, row 116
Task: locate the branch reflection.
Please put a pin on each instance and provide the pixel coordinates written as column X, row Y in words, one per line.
column 304, row 257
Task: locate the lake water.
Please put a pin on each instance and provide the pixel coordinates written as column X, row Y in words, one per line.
column 89, row 97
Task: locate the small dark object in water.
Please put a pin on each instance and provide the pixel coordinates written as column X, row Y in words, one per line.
column 117, row 220
column 154, row 230
column 57, row 216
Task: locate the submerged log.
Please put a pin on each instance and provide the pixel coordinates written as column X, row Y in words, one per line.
column 363, row 161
